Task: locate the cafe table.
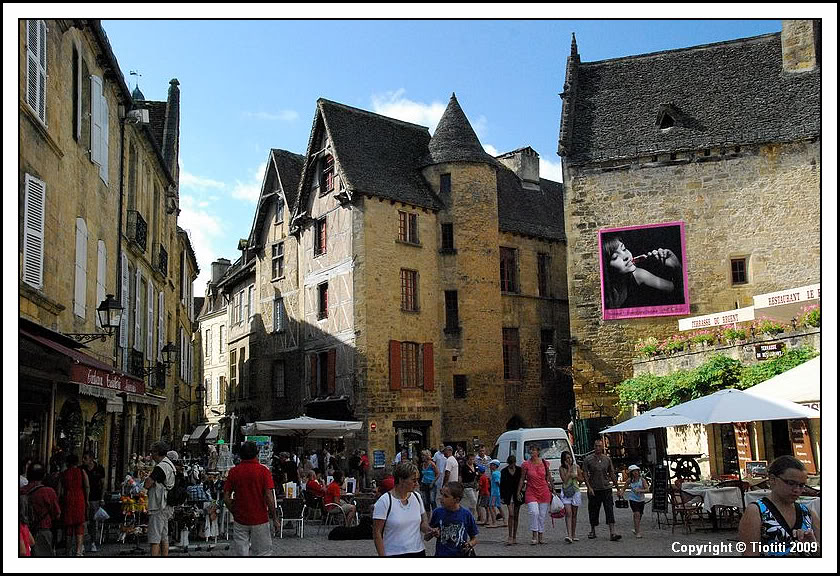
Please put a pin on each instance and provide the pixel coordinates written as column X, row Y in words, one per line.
column 813, row 503
column 713, row 497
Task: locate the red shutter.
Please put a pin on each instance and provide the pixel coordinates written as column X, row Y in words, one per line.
column 331, row 371
column 428, row 367
column 313, row 375
column 396, row 365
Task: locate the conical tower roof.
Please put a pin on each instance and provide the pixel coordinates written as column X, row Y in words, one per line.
column 455, row 140
column 136, row 94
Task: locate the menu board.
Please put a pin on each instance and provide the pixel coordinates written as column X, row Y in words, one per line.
column 801, row 442
column 379, row 458
column 742, row 443
column 660, row 489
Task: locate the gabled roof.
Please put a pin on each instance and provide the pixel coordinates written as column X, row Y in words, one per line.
column 287, row 167
column 455, row 139
column 185, row 237
column 727, row 93
column 373, row 155
column 530, row 212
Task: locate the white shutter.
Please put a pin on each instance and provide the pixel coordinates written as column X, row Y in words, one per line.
column 150, row 321
column 103, row 167
column 124, row 304
column 101, row 266
column 35, row 192
column 161, row 304
column 80, row 293
column 137, row 331
column 36, row 67
column 96, row 120
column 250, row 302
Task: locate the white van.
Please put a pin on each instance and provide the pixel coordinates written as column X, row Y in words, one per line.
column 552, row 442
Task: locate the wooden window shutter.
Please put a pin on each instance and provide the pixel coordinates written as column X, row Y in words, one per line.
column 80, row 295
column 150, row 320
column 137, row 330
column 36, row 67
column 331, row 371
column 101, row 264
column 96, row 120
column 124, row 302
column 161, row 305
column 33, row 231
column 396, row 365
column 313, row 375
column 103, row 149
column 428, row 367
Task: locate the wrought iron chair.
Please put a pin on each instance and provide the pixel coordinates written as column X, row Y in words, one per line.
column 731, row 515
column 292, row 510
column 684, row 507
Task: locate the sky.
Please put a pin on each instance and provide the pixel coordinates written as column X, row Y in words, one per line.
column 251, row 85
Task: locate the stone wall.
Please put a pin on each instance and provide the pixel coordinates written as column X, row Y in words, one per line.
column 761, row 203
column 799, row 45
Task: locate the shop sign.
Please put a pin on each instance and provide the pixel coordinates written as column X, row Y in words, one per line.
column 800, row 440
column 81, row 374
column 719, row 319
column 742, row 443
column 791, row 296
column 765, row 351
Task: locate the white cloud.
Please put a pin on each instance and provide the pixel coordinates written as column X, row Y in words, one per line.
column 204, row 229
column 396, row 105
column 490, row 149
column 551, row 170
column 282, row 115
column 250, row 191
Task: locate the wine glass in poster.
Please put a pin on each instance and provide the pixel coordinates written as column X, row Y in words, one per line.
column 642, row 271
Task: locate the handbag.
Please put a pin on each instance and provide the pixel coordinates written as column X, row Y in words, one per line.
column 557, row 510
column 521, row 496
column 468, row 551
column 622, row 503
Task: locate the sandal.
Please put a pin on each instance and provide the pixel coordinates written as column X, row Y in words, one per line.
column 576, row 539
column 615, row 537
column 568, row 540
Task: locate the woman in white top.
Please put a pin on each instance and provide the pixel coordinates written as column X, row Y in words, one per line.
column 399, row 520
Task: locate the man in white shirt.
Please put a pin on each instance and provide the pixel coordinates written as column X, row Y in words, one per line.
column 450, row 473
column 440, row 463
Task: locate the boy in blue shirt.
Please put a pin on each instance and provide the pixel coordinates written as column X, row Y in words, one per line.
column 453, row 526
column 495, row 493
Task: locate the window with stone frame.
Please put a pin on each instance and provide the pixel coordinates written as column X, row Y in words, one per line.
column 510, row 353
column 459, row 385
column 328, row 175
column 233, row 367
column 243, row 381
column 408, row 283
column 451, row 310
column 543, row 274
column 278, row 378
column 445, row 185
column 507, row 270
column 408, row 228
column 739, row 271
column 323, row 300
column 208, row 344
column 277, row 261
column 279, row 315
column 447, row 233
column 278, row 209
column 321, row 236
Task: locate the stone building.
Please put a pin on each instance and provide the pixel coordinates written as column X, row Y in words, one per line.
column 724, row 138
column 92, row 223
column 213, row 348
column 424, row 280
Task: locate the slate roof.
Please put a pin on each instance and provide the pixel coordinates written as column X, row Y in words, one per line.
column 289, row 168
column 157, row 118
column 530, row 212
column 455, row 140
column 727, row 93
column 378, row 155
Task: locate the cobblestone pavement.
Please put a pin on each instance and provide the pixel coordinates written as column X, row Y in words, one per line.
column 655, row 541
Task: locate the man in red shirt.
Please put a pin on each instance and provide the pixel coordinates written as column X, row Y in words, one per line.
column 334, row 497
column 249, row 495
column 45, row 509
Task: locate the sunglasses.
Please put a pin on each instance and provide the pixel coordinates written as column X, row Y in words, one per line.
column 792, row 483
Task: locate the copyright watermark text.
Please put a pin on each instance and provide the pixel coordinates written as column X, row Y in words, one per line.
column 708, row 548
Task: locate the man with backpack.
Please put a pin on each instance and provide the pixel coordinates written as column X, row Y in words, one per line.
column 157, row 484
column 40, row 504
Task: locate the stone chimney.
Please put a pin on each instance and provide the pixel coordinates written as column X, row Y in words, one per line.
column 171, row 128
column 800, row 45
column 525, row 162
column 218, row 269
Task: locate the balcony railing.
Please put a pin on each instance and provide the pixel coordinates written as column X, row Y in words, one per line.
column 162, row 260
column 136, row 229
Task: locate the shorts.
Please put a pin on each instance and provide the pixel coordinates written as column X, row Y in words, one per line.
column 637, row 506
column 495, row 501
column 158, row 527
column 484, row 501
column 573, row 501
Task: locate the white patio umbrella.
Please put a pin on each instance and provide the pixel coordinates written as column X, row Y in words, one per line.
column 800, row 384
column 303, row 426
column 655, row 418
column 732, row 405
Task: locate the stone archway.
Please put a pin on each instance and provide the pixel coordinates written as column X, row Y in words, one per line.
column 166, row 432
column 516, row 421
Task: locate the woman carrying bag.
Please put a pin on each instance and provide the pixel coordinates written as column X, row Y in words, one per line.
column 538, row 492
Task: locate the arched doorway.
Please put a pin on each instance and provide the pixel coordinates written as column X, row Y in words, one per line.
column 166, row 433
column 69, row 428
column 516, row 422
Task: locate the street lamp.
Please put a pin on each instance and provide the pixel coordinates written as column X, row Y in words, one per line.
column 551, row 357
column 110, row 313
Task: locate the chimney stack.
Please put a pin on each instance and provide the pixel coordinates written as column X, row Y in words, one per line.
column 171, row 128
column 218, row 269
column 800, row 45
column 525, row 162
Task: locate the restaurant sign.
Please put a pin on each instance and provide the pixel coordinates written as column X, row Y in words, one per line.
column 719, row 319
column 792, row 296
column 765, row 351
column 81, row 374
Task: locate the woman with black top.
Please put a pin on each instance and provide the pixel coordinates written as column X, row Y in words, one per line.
column 507, row 488
column 468, row 476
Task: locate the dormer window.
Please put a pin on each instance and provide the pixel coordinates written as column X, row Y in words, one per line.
column 668, row 117
column 667, row 122
column 328, row 175
column 278, row 215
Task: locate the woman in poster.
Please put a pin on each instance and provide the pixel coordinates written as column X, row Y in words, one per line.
column 652, row 278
